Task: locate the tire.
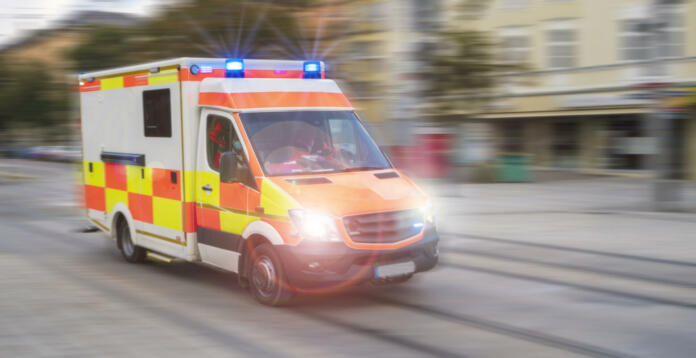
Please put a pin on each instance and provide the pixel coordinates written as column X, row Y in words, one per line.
column 131, row 252
column 267, row 278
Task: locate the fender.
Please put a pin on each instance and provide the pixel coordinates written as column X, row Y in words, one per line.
column 264, row 229
column 121, row 208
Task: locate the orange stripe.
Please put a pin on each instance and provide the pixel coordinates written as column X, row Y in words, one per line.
column 220, row 73
column 273, row 73
column 208, row 218
column 246, row 100
column 139, row 79
column 163, row 185
column 233, row 195
column 187, row 76
column 215, row 99
column 94, row 197
column 140, row 207
column 189, row 209
column 90, row 86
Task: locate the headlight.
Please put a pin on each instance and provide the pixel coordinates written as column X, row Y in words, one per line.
column 314, row 226
column 428, row 214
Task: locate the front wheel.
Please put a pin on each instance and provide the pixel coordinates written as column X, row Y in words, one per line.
column 267, row 279
column 131, row 252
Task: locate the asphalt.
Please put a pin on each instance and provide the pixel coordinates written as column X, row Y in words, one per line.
column 553, row 269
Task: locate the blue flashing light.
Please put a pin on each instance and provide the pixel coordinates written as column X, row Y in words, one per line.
column 194, row 69
column 234, row 68
column 311, row 69
column 418, row 225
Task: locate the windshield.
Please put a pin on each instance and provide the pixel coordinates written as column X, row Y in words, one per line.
column 301, row 142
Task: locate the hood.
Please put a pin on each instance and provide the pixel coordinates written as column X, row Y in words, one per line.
column 353, row 193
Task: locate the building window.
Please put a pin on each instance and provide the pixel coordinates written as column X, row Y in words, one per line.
column 635, row 45
column 513, row 4
column 672, row 37
column 637, row 34
column 562, row 41
column 514, row 45
column 157, row 113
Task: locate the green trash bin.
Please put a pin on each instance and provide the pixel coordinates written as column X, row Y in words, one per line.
column 513, row 168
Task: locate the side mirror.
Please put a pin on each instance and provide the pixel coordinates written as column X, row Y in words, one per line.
column 228, row 167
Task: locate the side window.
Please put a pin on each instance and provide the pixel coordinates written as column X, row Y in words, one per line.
column 157, row 113
column 219, row 131
column 222, row 138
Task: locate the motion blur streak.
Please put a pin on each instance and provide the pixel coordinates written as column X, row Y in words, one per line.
column 556, row 139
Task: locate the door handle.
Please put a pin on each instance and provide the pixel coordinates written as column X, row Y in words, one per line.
column 207, row 188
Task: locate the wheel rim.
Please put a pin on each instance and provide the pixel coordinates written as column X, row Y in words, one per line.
column 264, row 276
column 126, row 243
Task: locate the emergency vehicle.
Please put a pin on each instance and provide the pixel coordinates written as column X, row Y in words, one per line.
column 258, row 167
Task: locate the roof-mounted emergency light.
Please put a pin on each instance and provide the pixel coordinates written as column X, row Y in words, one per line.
column 311, row 69
column 234, row 68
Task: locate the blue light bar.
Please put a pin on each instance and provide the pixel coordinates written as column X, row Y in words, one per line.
column 234, row 68
column 311, row 69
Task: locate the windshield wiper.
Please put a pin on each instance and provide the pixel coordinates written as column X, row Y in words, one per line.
column 359, row 169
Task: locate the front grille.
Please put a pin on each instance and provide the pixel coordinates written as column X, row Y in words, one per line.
column 385, row 227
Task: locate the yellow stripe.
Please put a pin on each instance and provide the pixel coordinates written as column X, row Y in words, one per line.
column 164, row 76
column 99, row 224
column 157, row 257
column 139, row 179
column 189, row 192
column 275, row 201
column 115, row 196
column 112, row 83
column 160, row 237
column 249, row 213
column 96, row 177
column 167, row 213
column 208, row 197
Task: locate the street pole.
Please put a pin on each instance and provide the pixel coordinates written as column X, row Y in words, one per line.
column 665, row 189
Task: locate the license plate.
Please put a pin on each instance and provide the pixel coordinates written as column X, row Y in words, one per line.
column 400, row 269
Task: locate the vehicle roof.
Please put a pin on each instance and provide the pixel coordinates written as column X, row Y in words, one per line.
column 185, row 62
column 257, row 94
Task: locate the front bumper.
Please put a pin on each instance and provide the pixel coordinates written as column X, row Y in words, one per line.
column 311, row 265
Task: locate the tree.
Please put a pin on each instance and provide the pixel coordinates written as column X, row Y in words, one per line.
column 29, row 98
column 105, row 46
column 199, row 28
column 463, row 69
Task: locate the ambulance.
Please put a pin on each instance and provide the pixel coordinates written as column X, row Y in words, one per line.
column 257, row 167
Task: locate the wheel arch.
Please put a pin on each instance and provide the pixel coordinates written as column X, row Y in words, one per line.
column 120, row 210
column 264, row 229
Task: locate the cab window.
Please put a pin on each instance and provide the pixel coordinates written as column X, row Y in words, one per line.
column 218, row 139
column 222, row 138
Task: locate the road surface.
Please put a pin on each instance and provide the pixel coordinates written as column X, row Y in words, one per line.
column 527, row 270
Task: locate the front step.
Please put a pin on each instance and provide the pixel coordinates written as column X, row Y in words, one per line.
column 154, row 256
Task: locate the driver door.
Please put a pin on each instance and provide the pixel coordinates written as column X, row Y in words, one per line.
column 221, row 207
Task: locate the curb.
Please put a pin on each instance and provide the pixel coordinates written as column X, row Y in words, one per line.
column 15, row 176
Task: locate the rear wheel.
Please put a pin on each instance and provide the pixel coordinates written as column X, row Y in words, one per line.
column 267, row 279
column 129, row 250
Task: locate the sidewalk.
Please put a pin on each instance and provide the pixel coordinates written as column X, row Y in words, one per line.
column 611, row 214
column 603, row 194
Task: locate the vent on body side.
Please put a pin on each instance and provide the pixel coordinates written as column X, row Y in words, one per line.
column 387, row 175
column 309, row 181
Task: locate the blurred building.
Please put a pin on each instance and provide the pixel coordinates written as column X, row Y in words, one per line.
column 597, row 71
column 376, row 50
column 49, row 46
